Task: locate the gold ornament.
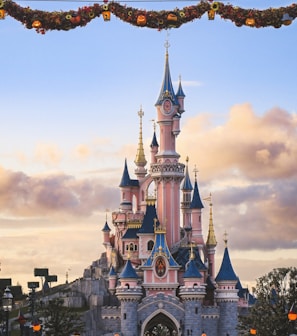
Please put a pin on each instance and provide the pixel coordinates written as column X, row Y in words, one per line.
column 141, row 20
column 106, row 15
column 2, row 13
column 36, row 24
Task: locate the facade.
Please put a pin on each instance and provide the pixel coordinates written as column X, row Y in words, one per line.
column 161, row 270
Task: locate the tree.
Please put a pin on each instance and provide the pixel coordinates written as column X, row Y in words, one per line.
column 275, row 293
column 60, row 320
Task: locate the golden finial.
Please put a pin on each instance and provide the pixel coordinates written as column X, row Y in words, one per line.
column 154, row 124
column 187, row 159
column 225, row 238
column 195, row 170
column 128, row 255
column 106, row 210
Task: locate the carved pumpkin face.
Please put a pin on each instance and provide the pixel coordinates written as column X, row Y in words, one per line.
column 36, row 24
column 106, row 15
column 250, row 21
column 141, row 20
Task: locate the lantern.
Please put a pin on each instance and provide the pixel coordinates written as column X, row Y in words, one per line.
column 250, row 22
column 141, row 20
column 36, row 24
column 2, row 13
column 253, row 331
column 211, row 14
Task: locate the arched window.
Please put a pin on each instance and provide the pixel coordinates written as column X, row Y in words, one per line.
column 150, row 245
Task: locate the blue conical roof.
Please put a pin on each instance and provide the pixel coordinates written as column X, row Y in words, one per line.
column 187, row 185
column 196, row 200
column 154, row 142
column 128, row 271
column 167, row 90
column 106, row 227
column 148, row 219
column 112, row 271
column 125, row 181
column 192, row 270
column 180, row 92
column 226, row 271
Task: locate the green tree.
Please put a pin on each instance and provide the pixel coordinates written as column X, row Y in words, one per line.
column 60, row 320
column 275, row 293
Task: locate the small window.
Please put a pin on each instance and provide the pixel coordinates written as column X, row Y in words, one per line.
column 150, row 245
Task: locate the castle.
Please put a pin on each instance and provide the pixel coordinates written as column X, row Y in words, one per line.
column 159, row 268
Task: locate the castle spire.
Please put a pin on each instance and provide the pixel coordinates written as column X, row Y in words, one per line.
column 211, row 238
column 140, row 160
column 167, row 90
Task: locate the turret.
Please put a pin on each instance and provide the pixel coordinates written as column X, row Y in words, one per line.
column 140, row 160
column 125, row 185
column 192, row 294
column 196, row 207
column 226, row 296
column 186, row 201
column 129, row 293
column 154, row 146
column 106, row 234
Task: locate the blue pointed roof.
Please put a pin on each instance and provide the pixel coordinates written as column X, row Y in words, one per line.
column 106, row 228
column 196, row 200
column 154, row 142
column 226, row 271
column 160, row 247
column 112, row 271
column 167, row 90
column 148, row 219
column 131, row 233
column 126, row 181
column 192, row 270
column 180, row 92
column 182, row 257
column 128, row 271
column 187, row 185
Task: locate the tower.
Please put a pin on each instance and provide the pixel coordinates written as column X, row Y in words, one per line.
column 226, row 296
column 167, row 172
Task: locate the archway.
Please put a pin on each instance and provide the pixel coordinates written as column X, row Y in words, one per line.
column 160, row 325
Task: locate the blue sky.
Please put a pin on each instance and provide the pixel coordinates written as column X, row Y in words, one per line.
column 69, row 119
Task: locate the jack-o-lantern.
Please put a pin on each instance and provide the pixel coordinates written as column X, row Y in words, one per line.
column 250, row 22
column 141, row 20
column 171, row 17
column 36, row 24
column 106, row 15
column 211, row 14
column 2, row 13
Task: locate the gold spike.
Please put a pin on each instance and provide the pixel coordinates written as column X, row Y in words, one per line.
column 140, row 157
column 211, row 238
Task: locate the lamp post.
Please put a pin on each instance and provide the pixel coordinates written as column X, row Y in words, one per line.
column 7, row 301
column 292, row 316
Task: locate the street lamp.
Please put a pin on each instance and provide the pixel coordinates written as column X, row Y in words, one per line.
column 7, row 301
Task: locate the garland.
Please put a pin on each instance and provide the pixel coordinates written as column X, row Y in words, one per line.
column 66, row 20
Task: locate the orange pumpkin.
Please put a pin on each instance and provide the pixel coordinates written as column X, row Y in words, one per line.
column 141, row 20
column 36, row 24
column 211, row 14
column 171, row 17
column 106, row 15
column 2, row 13
column 250, row 22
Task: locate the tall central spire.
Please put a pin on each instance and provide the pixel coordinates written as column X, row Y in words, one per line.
column 167, row 90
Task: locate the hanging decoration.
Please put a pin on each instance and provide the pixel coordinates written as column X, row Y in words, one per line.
column 43, row 21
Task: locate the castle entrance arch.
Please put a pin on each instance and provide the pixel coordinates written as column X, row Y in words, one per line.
column 161, row 325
